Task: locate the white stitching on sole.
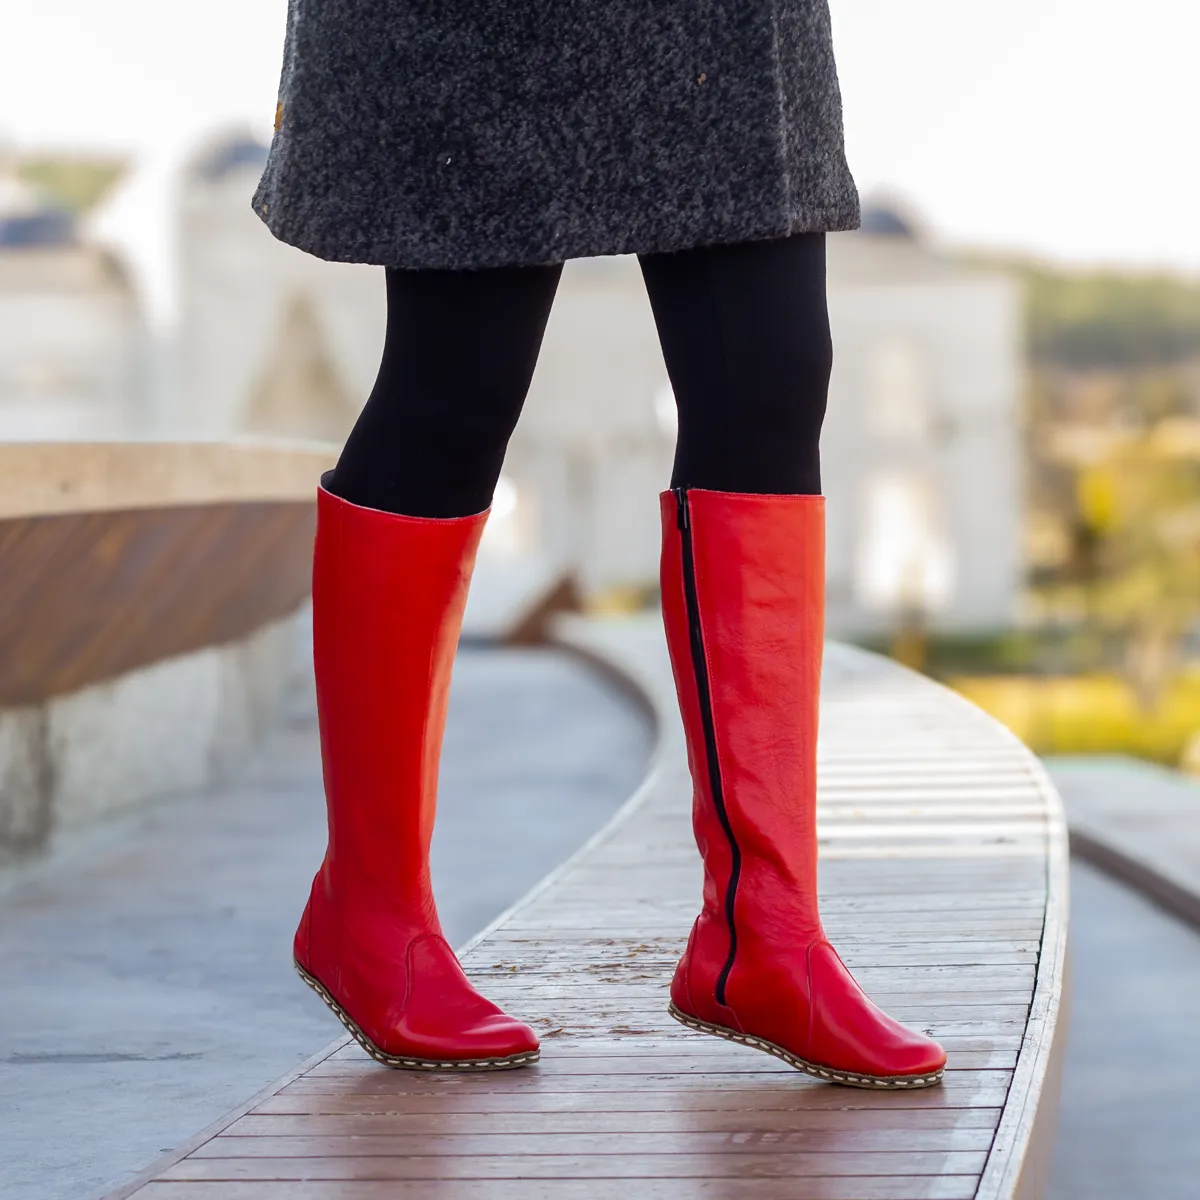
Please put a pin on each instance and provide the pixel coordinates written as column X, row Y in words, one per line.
column 412, row 1064
column 871, row 1082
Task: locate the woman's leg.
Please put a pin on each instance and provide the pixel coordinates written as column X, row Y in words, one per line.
column 745, row 334
column 398, row 525
column 459, row 354
column 746, row 339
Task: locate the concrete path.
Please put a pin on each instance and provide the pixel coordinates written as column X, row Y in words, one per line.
column 1130, row 1107
column 145, row 977
column 1138, row 822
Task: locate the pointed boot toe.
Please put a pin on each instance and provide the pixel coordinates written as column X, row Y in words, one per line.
column 446, row 1020
column 850, row 1034
column 462, row 1043
column 500, row 1036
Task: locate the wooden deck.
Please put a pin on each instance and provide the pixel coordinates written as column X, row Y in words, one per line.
column 944, row 885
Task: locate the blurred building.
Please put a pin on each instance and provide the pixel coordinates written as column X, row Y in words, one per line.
column 277, row 342
column 72, row 339
column 921, row 447
column 271, row 341
column 596, row 440
column 921, row 451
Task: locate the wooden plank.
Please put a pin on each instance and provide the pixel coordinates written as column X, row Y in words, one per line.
column 632, row 1142
column 574, row 905
column 800, row 1096
column 887, row 929
column 939, row 1187
column 768, row 1125
column 344, row 1074
column 704, row 1056
column 572, row 967
column 780, row 1164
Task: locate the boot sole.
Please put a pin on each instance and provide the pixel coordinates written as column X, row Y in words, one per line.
column 889, row 1083
column 401, row 1063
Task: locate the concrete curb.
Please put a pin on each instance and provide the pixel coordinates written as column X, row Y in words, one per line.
column 1177, row 899
column 1138, row 823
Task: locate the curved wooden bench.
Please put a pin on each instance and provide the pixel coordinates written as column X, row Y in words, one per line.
column 114, row 556
column 135, row 578
column 944, row 883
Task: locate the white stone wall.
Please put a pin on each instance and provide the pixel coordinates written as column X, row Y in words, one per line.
column 26, row 782
column 924, row 401
column 238, row 288
column 72, row 345
column 921, row 450
column 176, row 726
column 592, row 450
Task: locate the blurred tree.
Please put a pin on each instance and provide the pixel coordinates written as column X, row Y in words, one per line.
column 74, row 183
column 1110, row 320
column 1142, row 506
column 1112, row 425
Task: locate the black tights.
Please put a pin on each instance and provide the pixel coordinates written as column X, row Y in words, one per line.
column 744, row 331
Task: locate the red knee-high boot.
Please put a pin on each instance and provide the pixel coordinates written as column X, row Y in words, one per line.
column 743, row 581
column 388, row 599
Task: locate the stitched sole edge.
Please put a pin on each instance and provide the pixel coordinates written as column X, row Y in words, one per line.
column 886, row 1083
column 399, row 1063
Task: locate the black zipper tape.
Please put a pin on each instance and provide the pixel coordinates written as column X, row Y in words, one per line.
column 700, row 667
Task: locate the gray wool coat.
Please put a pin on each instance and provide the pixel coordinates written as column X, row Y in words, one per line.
column 482, row 133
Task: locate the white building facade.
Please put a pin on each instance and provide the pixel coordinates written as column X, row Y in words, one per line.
column 596, row 440
column 72, row 339
column 271, row 341
column 921, row 451
column 276, row 342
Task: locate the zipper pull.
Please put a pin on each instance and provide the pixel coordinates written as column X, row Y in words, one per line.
column 681, row 507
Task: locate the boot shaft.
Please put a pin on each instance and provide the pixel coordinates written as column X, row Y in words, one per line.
column 743, row 602
column 388, row 598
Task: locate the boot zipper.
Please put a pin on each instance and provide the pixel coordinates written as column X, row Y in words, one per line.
column 700, row 667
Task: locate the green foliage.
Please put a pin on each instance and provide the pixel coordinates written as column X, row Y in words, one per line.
column 76, row 184
column 1104, row 320
column 1110, row 321
column 999, row 652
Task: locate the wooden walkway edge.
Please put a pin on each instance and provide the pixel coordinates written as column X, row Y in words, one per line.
column 944, row 885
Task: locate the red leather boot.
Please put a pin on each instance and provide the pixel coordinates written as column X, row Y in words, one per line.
column 743, row 581
column 388, row 599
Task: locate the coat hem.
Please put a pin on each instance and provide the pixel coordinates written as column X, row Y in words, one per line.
column 834, row 219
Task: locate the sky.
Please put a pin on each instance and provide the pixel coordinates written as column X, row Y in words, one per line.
column 1060, row 128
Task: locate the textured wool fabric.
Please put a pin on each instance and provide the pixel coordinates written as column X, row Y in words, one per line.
column 482, row 133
